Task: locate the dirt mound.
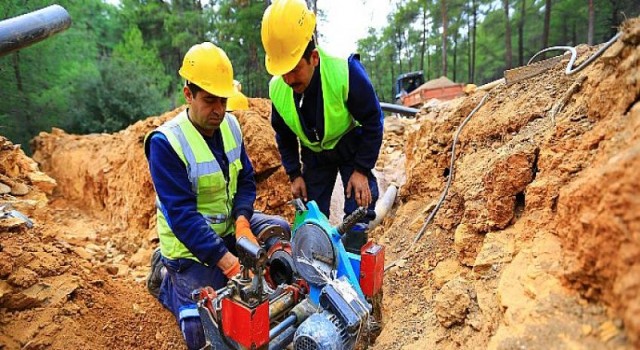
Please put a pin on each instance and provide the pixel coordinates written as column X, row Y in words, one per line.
column 91, row 243
column 55, row 292
column 108, row 175
column 537, row 244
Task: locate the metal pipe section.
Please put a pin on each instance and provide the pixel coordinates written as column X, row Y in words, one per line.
column 285, row 338
column 384, row 205
column 279, row 305
column 402, row 110
column 22, row 31
column 302, row 311
column 275, row 331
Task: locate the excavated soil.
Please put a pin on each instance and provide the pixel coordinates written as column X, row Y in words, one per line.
column 537, row 244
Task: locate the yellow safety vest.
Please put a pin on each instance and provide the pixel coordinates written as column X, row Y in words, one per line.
column 214, row 195
column 338, row 120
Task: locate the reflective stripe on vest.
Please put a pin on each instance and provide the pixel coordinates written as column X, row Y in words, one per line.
column 338, row 120
column 214, row 194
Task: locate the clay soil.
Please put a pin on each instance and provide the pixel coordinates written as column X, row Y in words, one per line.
column 536, row 245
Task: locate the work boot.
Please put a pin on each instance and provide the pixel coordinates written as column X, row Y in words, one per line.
column 355, row 238
column 156, row 274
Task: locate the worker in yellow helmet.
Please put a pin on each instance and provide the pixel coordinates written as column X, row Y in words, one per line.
column 205, row 189
column 237, row 102
column 325, row 107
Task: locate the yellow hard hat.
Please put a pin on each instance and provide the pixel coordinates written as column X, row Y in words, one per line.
column 207, row 66
column 287, row 28
column 238, row 102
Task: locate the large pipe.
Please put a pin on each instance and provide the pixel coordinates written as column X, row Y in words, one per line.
column 389, row 107
column 281, row 304
column 281, row 341
column 22, row 31
column 384, row 205
column 275, row 331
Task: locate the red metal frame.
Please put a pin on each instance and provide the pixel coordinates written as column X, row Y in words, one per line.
column 371, row 268
column 249, row 327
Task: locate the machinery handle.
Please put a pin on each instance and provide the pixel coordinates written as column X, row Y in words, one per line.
column 351, row 220
column 251, row 256
column 22, row 31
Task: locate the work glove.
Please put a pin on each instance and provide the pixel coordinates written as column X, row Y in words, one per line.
column 232, row 269
column 243, row 229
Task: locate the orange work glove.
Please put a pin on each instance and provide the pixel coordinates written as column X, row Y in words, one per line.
column 233, row 269
column 243, row 229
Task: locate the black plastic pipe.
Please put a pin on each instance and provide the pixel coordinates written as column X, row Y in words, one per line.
column 24, row 30
column 275, row 331
column 389, row 107
column 281, row 341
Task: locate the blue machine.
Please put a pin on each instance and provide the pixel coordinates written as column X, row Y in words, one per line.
column 318, row 252
column 333, row 275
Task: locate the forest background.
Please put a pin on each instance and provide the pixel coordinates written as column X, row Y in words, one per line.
column 118, row 64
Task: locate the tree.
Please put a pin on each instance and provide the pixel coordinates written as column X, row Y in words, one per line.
column 591, row 24
column 547, row 23
column 131, row 87
column 443, row 13
column 507, row 36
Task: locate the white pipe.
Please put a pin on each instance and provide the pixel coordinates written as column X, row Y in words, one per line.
column 384, row 205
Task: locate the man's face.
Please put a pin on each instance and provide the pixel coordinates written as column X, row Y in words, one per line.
column 300, row 76
column 206, row 110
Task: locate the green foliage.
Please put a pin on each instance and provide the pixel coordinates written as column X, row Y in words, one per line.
column 398, row 47
column 236, row 30
column 130, row 88
column 39, row 82
column 116, row 65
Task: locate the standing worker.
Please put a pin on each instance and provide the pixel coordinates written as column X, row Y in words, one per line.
column 325, row 107
column 205, row 189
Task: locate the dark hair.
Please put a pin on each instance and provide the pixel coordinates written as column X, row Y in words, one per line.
column 193, row 88
column 310, row 47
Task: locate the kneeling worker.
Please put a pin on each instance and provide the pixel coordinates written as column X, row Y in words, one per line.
column 205, row 189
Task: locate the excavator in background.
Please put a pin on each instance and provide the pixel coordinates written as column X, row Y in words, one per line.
column 411, row 92
column 405, row 84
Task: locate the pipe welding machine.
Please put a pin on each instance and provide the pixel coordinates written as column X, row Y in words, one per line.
column 300, row 292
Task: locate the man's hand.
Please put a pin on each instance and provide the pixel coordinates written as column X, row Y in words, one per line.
column 299, row 188
column 359, row 184
column 243, row 229
column 229, row 265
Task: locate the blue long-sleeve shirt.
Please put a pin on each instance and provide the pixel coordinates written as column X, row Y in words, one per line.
column 172, row 185
column 362, row 103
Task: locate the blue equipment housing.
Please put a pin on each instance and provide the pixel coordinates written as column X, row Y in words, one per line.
column 309, row 220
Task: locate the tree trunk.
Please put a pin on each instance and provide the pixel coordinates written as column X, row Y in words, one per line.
column 443, row 9
column 469, row 34
column 399, row 46
column 455, row 54
column 615, row 21
column 507, row 36
column 591, row 24
column 547, row 23
column 424, row 36
column 428, row 63
column 26, row 117
column 523, row 10
column 473, row 49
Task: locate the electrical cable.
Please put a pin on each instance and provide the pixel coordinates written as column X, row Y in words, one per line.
column 574, row 55
column 446, row 188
